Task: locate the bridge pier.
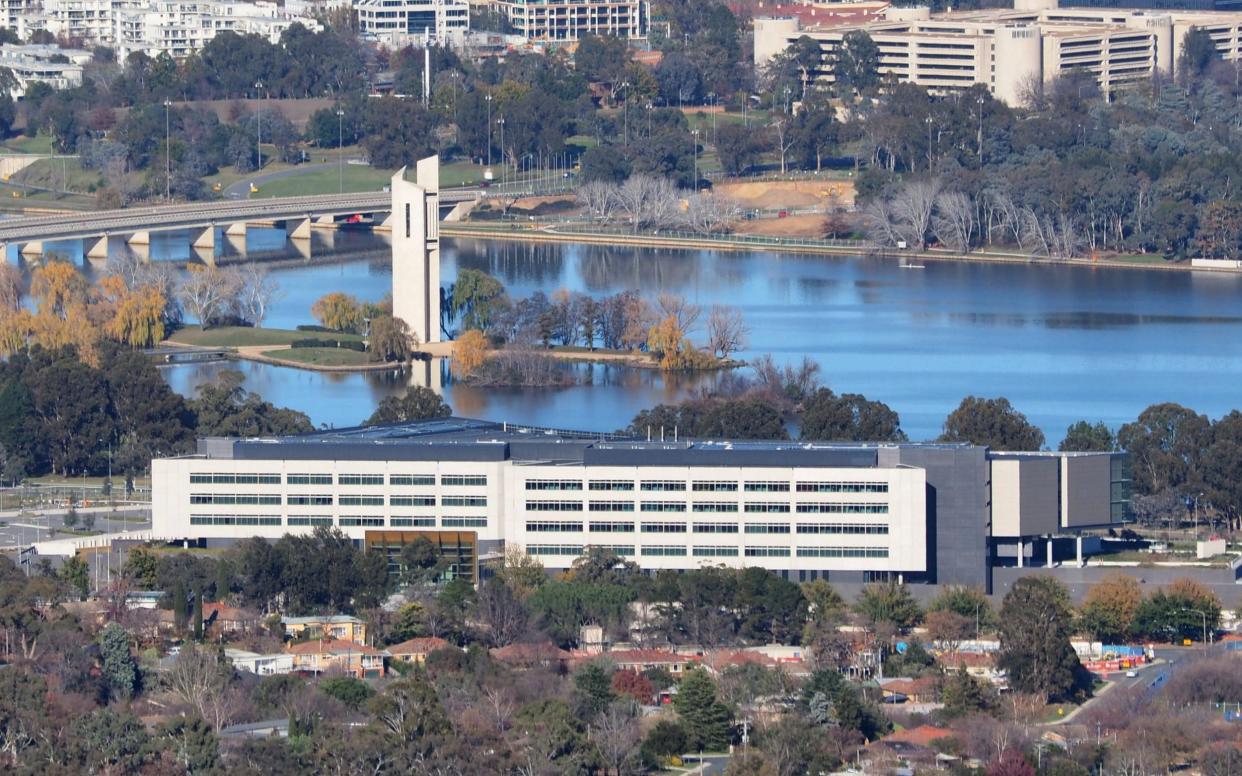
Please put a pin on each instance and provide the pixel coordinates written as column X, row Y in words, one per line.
column 205, row 255
column 204, row 238
column 96, row 247
column 236, row 229
column 299, row 229
column 32, row 248
column 385, row 225
column 302, row 246
column 325, row 222
column 140, row 238
column 236, row 242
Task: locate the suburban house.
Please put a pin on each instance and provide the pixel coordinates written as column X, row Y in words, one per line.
column 336, row 626
column 925, row 689
column 263, row 665
column 337, row 656
column 645, row 659
column 416, row 650
column 221, row 618
column 529, row 655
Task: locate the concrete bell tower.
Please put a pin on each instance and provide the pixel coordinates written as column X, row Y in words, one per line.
column 416, row 249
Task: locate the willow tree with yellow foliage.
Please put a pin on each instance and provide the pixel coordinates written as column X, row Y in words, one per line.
column 69, row 311
column 667, row 342
column 469, row 353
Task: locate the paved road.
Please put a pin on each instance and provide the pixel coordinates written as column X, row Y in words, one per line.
column 241, row 189
column 25, row 528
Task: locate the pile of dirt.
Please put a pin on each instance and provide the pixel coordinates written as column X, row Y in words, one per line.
column 790, row 194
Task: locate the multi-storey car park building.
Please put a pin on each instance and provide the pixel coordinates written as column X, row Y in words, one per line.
column 566, row 20
column 850, row 513
column 1011, row 51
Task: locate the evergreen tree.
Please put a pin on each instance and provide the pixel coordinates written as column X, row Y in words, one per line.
column 593, row 689
column 1035, row 622
column 705, row 718
column 120, row 671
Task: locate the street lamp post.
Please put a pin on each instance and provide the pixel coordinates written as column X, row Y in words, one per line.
column 488, row 99
column 340, row 149
column 979, row 139
column 930, row 156
column 696, row 159
column 1202, row 614
column 258, row 125
column 503, row 164
column 167, row 152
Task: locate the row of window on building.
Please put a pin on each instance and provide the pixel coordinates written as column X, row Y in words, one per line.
column 755, row 507
column 717, row 551
column 325, row 500
column 343, row 522
column 446, row 480
column 570, row 526
column 711, row 486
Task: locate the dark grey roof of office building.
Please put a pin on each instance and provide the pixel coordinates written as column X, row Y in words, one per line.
column 467, row 439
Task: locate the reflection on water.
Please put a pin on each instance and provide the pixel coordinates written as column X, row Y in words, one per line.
column 1061, row 343
column 606, row 398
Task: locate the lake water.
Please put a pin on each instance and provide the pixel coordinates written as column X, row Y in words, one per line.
column 1061, row 343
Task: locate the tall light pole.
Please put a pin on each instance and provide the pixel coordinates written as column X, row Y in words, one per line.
column 258, row 125
column 696, row 159
column 979, row 140
column 625, row 113
column 1202, row 614
column 929, row 142
column 167, row 152
column 503, row 163
column 488, row 99
column 340, row 149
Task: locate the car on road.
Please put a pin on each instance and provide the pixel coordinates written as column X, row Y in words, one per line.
column 1131, row 673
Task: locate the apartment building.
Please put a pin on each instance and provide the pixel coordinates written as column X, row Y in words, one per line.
column 1011, row 51
column 402, row 22
column 568, row 20
column 849, row 513
column 33, row 63
column 153, row 27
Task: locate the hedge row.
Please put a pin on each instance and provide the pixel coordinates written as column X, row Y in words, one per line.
column 329, row 343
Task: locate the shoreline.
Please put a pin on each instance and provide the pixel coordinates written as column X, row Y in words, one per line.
column 549, row 234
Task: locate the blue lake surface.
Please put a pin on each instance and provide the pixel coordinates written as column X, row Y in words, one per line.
column 1061, row 343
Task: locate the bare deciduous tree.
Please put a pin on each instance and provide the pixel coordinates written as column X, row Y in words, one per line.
column 954, row 220
column 208, row 292
column 912, row 211
column 257, row 291
column 726, row 330
column 710, row 213
column 647, row 202
column 680, row 309
column 618, row 739
column 201, row 681
column 599, row 199
column 783, row 135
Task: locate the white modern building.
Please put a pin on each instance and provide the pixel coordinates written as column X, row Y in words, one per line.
column 568, row 20
column 849, row 513
column 399, row 23
column 154, row 27
column 1012, row 51
column 58, row 68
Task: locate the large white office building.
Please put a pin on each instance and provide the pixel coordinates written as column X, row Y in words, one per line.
column 153, row 27
column 398, row 23
column 1012, row 51
column 850, row 513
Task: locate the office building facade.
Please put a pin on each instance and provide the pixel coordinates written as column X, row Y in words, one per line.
column 1013, row 51
column 569, row 20
column 421, row 22
column 848, row 513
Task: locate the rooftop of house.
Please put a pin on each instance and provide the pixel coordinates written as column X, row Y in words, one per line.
column 333, row 647
column 923, row 735
column 530, row 653
column 329, row 619
column 419, row 646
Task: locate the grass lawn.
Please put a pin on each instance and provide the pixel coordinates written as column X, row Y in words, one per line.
column 243, row 336
column 40, row 144
column 51, row 174
column 1137, row 258
column 320, row 356
column 355, row 177
column 53, row 481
